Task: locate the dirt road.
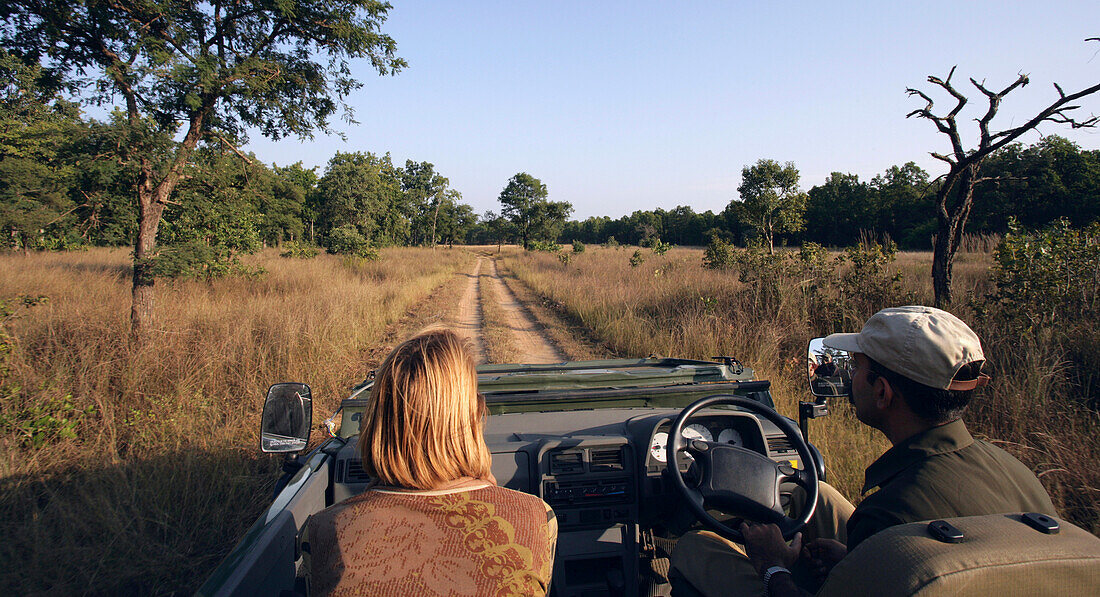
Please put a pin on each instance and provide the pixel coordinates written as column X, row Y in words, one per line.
column 468, row 321
column 525, row 333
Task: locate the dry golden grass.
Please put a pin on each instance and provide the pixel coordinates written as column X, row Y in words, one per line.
column 670, row 305
column 164, row 474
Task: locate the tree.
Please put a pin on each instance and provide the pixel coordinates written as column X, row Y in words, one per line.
column 37, row 131
column 955, row 195
column 364, row 191
column 533, row 216
column 837, row 210
column 215, row 218
column 456, row 220
column 424, row 193
column 1049, row 180
column 494, row 229
column 193, row 71
column 902, row 205
column 772, row 201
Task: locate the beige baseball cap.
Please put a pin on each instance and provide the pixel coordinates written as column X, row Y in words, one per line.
column 925, row 344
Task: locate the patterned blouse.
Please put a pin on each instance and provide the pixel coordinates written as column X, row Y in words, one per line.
column 472, row 538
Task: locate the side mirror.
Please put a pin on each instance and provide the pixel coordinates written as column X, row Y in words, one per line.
column 288, row 415
column 828, row 370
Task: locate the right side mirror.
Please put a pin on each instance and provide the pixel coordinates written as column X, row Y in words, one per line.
column 288, row 414
column 828, row 370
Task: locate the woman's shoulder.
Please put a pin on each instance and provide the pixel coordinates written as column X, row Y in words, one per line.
column 515, row 496
column 524, row 504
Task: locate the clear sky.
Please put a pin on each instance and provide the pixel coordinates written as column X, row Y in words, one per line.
column 621, row 106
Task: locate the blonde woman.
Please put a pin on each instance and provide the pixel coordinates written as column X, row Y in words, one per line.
column 434, row 521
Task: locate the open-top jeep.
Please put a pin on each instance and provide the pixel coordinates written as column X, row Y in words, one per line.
column 630, row 454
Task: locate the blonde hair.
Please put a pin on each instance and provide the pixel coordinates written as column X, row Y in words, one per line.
column 423, row 422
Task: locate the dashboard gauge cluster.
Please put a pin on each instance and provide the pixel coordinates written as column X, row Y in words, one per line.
column 720, row 431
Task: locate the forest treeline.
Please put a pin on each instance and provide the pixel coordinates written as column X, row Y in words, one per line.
column 1051, row 179
column 63, row 186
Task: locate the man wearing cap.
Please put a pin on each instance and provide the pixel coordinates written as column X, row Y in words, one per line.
column 915, row 369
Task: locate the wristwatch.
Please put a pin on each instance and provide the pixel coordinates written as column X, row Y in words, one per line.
column 769, row 573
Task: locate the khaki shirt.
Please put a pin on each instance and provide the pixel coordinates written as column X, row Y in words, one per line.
column 943, row 473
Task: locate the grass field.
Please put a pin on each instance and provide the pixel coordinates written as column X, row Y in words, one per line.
column 146, row 470
column 130, row 469
column 670, row 305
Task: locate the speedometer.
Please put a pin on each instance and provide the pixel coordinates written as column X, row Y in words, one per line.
column 730, row 436
column 658, row 445
column 658, row 448
column 697, row 431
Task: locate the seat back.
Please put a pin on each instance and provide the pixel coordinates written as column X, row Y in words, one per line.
column 999, row 555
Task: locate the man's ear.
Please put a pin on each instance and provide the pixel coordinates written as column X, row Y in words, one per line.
column 884, row 393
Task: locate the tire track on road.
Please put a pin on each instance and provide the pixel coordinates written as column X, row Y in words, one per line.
column 469, row 319
column 528, row 335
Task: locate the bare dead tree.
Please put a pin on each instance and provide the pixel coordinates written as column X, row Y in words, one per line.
column 955, row 195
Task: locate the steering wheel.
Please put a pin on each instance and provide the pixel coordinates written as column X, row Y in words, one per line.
column 737, row 480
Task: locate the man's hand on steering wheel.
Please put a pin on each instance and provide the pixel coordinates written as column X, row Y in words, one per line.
column 765, row 546
column 737, row 480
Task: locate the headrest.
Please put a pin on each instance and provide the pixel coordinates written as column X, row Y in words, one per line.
column 998, row 554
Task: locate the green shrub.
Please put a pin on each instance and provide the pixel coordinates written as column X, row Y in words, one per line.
column 817, row 280
column 1047, row 287
column 870, row 283
column 611, row 243
column 299, row 250
column 346, row 240
column 660, row 248
column 764, row 272
column 578, row 246
column 719, row 254
column 195, row 259
column 68, row 242
column 1049, row 277
column 545, row 245
column 565, row 258
column 39, row 424
column 636, row 259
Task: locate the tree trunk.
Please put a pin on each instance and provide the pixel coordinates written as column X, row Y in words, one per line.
column 434, row 218
column 153, row 193
column 942, row 260
column 951, row 222
column 141, row 311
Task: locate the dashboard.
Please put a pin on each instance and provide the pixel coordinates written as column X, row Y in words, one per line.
column 602, row 471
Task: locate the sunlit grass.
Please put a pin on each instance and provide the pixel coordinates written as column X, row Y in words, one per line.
column 164, row 474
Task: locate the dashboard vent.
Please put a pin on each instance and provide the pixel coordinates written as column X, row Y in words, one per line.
column 607, row 460
column 354, row 473
column 563, row 463
column 779, row 443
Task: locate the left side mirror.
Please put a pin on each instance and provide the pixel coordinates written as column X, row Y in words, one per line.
column 828, row 370
column 288, row 415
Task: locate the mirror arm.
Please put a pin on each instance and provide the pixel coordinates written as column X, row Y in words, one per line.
column 292, row 464
column 810, row 410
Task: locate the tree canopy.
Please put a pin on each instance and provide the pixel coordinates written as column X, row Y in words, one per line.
column 524, row 202
column 772, row 200
column 198, row 72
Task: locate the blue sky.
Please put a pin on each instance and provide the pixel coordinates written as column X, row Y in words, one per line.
column 621, row 106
